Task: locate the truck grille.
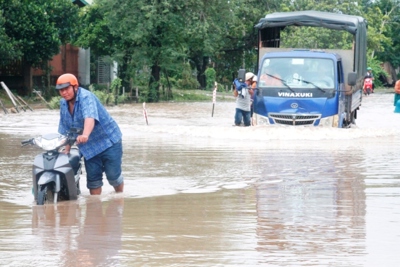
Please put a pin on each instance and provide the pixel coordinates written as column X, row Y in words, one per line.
column 294, row 119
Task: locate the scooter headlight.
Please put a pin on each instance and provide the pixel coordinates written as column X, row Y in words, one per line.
column 50, row 141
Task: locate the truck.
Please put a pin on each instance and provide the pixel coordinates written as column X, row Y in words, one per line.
column 308, row 87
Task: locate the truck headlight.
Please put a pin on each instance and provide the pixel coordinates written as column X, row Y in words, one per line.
column 260, row 120
column 332, row 121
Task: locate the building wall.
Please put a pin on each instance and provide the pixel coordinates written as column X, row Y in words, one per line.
column 71, row 59
column 84, row 66
column 64, row 62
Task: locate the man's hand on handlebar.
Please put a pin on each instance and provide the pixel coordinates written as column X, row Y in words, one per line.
column 67, row 149
column 81, row 139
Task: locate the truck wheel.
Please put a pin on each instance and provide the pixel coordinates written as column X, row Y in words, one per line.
column 348, row 123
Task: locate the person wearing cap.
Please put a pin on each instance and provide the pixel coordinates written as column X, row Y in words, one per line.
column 269, row 77
column 101, row 140
column 254, row 82
column 397, row 93
column 370, row 75
column 243, row 102
column 254, row 87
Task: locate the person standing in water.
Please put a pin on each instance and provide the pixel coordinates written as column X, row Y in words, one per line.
column 101, row 140
column 243, row 101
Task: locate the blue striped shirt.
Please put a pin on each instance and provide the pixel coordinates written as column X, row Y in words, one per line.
column 106, row 131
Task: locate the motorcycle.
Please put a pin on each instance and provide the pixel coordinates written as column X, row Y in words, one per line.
column 367, row 88
column 55, row 174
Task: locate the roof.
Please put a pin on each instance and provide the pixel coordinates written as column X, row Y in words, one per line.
column 304, row 53
column 313, row 18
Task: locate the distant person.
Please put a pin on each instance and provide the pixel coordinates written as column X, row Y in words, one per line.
column 325, row 75
column 254, row 82
column 396, row 92
column 243, row 101
column 270, row 78
column 369, row 74
column 101, row 140
column 254, row 87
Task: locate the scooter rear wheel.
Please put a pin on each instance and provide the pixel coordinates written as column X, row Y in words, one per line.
column 45, row 194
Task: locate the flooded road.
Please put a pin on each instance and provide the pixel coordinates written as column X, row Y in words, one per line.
column 199, row 192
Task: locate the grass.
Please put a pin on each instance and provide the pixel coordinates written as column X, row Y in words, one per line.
column 194, row 95
column 198, row 95
column 384, row 90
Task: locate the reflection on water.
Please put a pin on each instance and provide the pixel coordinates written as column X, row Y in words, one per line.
column 307, row 203
column 200, row 192
column 81, row 234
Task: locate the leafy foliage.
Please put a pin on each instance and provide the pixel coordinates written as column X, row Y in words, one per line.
column 105, row 98
column 187, row 79
column 55, row 102
column 35, row 29
column 8, row 46
column 210, row 77
column 116, row 86
column 163, row 43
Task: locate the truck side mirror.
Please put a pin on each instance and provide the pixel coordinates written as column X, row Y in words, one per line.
column 241, row 75
column 352, row 78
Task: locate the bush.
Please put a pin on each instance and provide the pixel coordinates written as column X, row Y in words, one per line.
column 188, row 81
column 210, row 77
column 121, row 99
column 55, row 102
column 116, row 86
column 105, row 99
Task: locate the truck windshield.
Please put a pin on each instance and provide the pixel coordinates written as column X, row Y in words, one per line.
column 297, row 73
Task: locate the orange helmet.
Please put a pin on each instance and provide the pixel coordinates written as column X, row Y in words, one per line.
column 66, row 80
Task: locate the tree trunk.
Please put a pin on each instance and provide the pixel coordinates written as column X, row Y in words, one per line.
column 123, row 74
column 154, row 84
column 201, row 66
column 203, row 70
column 27, row 72
column 168, row 94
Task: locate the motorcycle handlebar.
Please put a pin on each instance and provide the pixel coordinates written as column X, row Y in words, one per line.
column 71, row 141
column 71, row 137
column 27, row 142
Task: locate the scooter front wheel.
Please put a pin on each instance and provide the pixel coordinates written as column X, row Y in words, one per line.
column 45, row 194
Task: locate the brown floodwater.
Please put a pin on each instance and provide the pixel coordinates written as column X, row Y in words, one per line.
column 200, row 192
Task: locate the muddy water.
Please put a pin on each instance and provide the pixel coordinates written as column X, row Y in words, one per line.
column 200, row 192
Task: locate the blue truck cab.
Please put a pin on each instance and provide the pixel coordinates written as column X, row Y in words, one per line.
column 304, row 87
column 300, row 88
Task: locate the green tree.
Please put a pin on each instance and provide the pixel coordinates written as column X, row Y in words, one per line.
column 239, row 38
column 156, row 38
column 8, row 47
column 150, row 39
column 207, row 32
column 37, row 34
column 35, row 30
column 95, row 33
column 384, row 25
column 210, row 77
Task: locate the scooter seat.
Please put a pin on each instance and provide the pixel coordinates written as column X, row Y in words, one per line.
column 74, row 159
